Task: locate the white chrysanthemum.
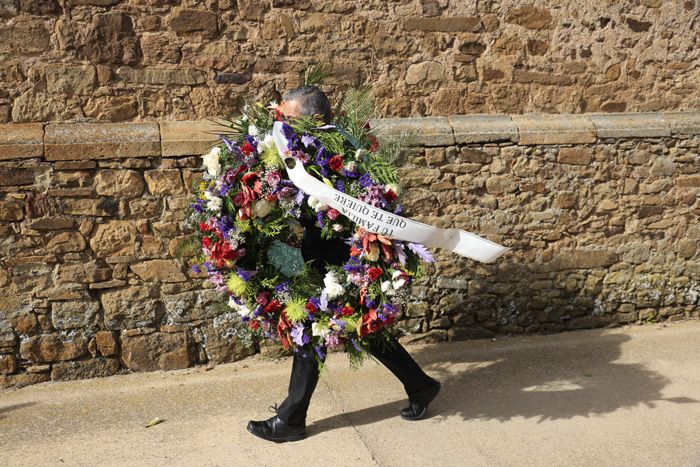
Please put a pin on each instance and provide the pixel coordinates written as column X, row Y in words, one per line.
column 312, row 202
column 318, row 329
column 321, row 207
column 266, row 142
column 333, row 288
column 214, row 203
column 386, row 285
column 242, row 309
column 211, row 161
column 253, row 130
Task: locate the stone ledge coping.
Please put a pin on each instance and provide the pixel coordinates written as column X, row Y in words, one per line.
column 88, row 141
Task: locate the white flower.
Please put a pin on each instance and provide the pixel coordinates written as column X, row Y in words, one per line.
column 393, row 187
column 253, row 130
column 262, row 208
column 312, row 202
column 338, row 227
column 396, row 274
column 333, row 288
column 240, row 308
column 211, row 161
column 386, row 285
column 267, row 142
column 358, row 154
column 351, row 166
column 399, row 283
column 273, row 105
column 214, row 203
column 321, row 207
column 318, row 329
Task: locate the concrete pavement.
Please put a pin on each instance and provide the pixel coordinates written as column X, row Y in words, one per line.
column 605, row 397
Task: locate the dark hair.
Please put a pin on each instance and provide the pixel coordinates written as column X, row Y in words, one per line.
column 311, row 101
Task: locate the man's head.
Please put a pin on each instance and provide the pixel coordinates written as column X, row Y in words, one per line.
column 306, row 100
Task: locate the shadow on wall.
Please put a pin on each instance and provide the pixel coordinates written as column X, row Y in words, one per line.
column 527, row 381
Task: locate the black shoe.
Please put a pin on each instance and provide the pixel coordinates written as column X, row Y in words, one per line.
column 274, row 429
column 417, row 410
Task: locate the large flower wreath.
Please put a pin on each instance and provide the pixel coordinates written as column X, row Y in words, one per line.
column 247, row 215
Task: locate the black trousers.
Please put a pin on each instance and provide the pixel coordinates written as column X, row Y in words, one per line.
column 304, row 377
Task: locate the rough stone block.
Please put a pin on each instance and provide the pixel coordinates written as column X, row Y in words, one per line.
column 483, row 128
column 51, row 347
column 82, row 369
column 164, row 181
column 76, row 141
column 157, row 351
column 442, row 24
column 683, row 123
column 74, row 315
column 115, row 238
column 119, row 183
column 428, row 131
column 630, row 125
column 28, row 36
column 23, row 379
column 191, row 306
column 193, row 20
column 156, row 76
column 106, row 343
column 554, row 129
column 184, row 138
column 577, row 259
column 159, row 270
column 132, row 307
column 21, row 140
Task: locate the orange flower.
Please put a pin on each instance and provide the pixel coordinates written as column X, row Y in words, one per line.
column 283, row 329
column 370, row 323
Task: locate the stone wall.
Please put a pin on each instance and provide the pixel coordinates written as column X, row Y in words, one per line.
column 143, row 60
column 601, row 212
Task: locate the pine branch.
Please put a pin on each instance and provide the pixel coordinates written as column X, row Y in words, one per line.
column 314, row 74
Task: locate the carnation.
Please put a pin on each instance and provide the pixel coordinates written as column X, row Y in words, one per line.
column 211, row 161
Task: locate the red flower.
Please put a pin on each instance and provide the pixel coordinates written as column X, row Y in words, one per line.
column 375, row 143
column 347, row 311
column 254, row 324
column 204, row 227
column 272, row 307
column 221, row 252
column 239, row 199
column 354, row 251
column 374, row 273
column 311, row 308
column 390, row 195
column 279, row 116
column 333, row 213
column 336, row 162
column 370, row 323
column 283, row 327
column 247, row 148
column 263, row 298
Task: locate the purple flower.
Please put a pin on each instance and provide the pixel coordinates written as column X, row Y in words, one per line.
column 319, row 216
column 230, row 145
column 366, row 180
column 398, row 210
column 319, row 352
column 369, row 303
column 298, row 335
column 308, row 140
column 354, row 265
column 340, row 186
column 421, row 251
column 196, row 269
column 244, row 318
column 246, row 275
column 289, row 134
column 357, row 347
column 281, row 287
column 333, row 339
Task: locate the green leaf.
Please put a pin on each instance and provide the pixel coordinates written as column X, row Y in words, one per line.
column 286, row 258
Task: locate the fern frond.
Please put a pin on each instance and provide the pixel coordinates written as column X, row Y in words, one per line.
column 358, row 108
column 314, row 74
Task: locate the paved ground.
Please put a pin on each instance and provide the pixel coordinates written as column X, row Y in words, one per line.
column 617, row 397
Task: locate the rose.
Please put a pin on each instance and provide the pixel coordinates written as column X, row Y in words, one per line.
column 347, row 311
column 239, row 199
column 247, row 148
column 336, row 163
column 374, row 273
column 333, row 214
column 263, row 298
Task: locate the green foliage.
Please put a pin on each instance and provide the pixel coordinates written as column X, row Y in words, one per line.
column 188, row 247
column 357, row 108
column 271, row 228
column 314, row 74
column 381, row 169
column 285, row 258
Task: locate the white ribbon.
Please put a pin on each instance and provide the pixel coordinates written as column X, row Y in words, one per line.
column 383, row 222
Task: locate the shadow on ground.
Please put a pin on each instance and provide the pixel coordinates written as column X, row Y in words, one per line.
column 545, row 380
